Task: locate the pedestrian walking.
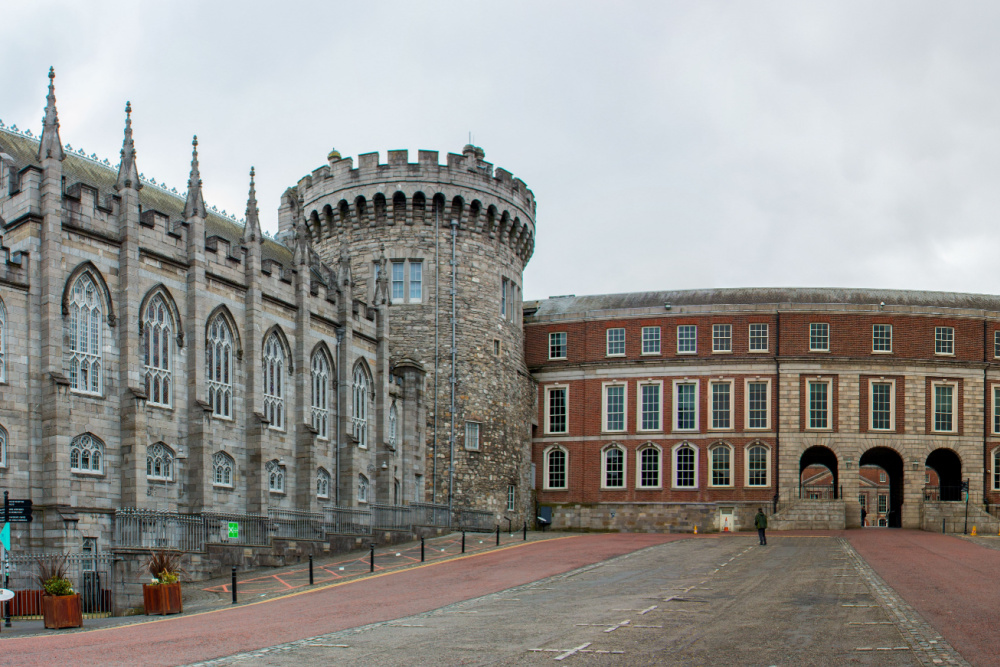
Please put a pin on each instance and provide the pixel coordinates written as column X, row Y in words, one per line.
column 864, row 515
column 760, row 523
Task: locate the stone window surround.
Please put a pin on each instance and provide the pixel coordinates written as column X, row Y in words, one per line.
column 729, row 465
column 676, row 404
column 746, row 464
column 604, row 466
column 407, row 254
column 810, row 382
column 473, row 432
column 546, row 393
column 275, row 473
column 645, row 447
column 223, row 462
column 639, row 406
column 3, row 447
column 3, row 343
column 605, row 386
column 892, row 405
column 746, row 403
column 546, row 456
column 954, row 405
column 673, row 457
column 323, row 481
column 711, row 405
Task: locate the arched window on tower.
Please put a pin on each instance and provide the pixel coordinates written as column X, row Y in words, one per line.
column 274, row 379
column 219, row 367
column 159, row 462
column 86, row 454
column 222, row 469
column 321, row 394
column 86, row 320
column 156, row 327
column 360, row 415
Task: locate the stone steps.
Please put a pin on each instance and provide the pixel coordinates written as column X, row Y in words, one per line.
column 810, row 515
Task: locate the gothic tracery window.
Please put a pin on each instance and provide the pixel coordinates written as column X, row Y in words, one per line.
column 320, row 394
column 322, row 483
column 85, row 340
column 362, row 489
column 159, row 462
column 156, row 327
column 275, row 477
column 86, row 454
column 274, row 378
column 219, row 367
column 360, row 414
column 3, row 447
column 222, row 469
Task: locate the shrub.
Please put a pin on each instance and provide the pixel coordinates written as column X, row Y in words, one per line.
column 52, row 576
column 164, row 566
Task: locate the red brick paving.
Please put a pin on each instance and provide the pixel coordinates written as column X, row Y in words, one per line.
column 187, row 639
column 954, row 584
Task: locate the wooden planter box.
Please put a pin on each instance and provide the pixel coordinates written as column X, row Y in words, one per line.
column 62, row 611
column 162, row 598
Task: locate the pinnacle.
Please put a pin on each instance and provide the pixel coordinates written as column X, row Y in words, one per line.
column 50, row 145
column 128, row 174
column 195, row 204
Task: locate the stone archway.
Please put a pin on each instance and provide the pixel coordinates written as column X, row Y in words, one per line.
column 813, row 458
column 890, row 461
column 948, row 466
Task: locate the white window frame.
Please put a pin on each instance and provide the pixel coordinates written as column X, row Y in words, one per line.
column 545, row 468
column 649, row 446
column 878, row 342
column 320, row 374
column 711, row 405
column 954, row 405
column 564, row 345
column 829, row 403
column 639, row 406
column 996, row 409
column 819, row 331
column 996, row 344
column 223, row 470
column 731, row 453
column 883, row 504
column 605, row 386
column 503, row 298
column 604, row 466
column 651, row 335
column 92, row 445
column 944, row 341
column 746, row 465
column 746, row 404
column 996, row 468
column 511, row 498
column 690, row 336
column 766, row 337
column 219, row 353
column 86, row 302
column 473, row 430
column 608, row 342
column 548, row 403
column 718, row 338
column 871, row 405
column 273, row 361
column 676, row 406
column 164, row 455
column 673, row 470
column 157, row 347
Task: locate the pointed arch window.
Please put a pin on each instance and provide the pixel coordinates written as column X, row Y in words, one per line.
column 219, row 368
column 86, row 319
column 222, row 469
column 393, row 426
column 322, row 484
column 160, row 463
column 275, row 476
column 86, row 454
column 3, row 447
column 362, row 489
column 360, row 415
column 3, row 342
column 321, row 395
column 274, row 382
column 156, row 328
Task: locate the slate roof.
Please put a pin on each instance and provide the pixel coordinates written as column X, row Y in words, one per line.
column 579, row 305
column 79, row 169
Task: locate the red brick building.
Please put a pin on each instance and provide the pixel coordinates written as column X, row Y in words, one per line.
column 667, row 410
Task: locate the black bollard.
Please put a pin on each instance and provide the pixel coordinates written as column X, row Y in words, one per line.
column 371, row 557
column 498, row 534
column 421, row 548
column 234, row 584
column 525, row 531
column 942, row 526
column 310, row 570
column 463, row 541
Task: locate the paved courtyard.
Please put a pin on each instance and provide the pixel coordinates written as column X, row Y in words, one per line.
column 872, row 597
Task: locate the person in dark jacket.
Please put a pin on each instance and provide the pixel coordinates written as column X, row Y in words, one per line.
column 760, row 523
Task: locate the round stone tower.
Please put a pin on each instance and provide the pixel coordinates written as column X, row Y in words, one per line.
column 453, row 239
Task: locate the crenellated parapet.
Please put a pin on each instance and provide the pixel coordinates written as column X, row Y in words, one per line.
column 339, row 199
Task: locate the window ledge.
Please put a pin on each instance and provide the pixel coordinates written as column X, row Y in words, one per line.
column 557, row 358
column 688, row 354
column 819, row 351
column 881, row 351
column 722, row 351
column 650, row 354
column 227, row 487
column 87, row 473
column 615, row 355
column 561, row 488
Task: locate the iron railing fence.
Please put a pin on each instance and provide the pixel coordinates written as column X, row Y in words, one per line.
column 249, row 529
column 428, row 514
column 347, row 520
column 92, row 576
column 296, row 524
column 391, row 517
column 474, row 521
column 152, row 529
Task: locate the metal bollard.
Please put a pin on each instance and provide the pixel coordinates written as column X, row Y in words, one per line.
column 498, row 534
column 234, row 584
column 310, row 570
column 371, row 557
column 942, row 526
column 525, row 531
column 463, row 541
column 421, row 548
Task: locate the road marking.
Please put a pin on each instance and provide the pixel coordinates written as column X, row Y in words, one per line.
column 567, row 652
column 869, row 606
column 642, row 612
column 871, row 623
column 882, row 648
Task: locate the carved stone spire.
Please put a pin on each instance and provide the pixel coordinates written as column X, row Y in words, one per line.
column 251, row 233
column 128, row 174
column 195, row 205
column 51, row 145
column 302, row 240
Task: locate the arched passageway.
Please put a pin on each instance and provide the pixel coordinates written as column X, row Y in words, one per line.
column 892, row 463
column 948, row 467
column 812, row 480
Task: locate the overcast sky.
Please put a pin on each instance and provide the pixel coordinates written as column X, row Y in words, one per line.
column 670, row 145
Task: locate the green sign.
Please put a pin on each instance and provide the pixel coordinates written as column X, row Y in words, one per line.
column 234, row 530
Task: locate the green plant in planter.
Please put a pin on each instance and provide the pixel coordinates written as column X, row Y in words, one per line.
column 164, row 567
column 52, row 576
